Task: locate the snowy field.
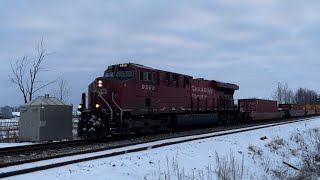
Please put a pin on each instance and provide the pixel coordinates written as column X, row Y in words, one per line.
column 9, row 130
column 257, row 154
column 14, row 122
column 3, row 145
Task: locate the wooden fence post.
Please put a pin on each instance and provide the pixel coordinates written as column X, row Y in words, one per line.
column 8, row 135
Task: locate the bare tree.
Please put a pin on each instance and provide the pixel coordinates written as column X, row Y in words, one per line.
column 62, row 91
column 278, row 93
column 299, row 96
column 26, row 78
column 283, row 94
column 18, row 71
column 290, row 95
column 306, row 96
column 286, row 93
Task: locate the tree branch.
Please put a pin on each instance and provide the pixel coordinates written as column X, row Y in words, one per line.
column 28, row 85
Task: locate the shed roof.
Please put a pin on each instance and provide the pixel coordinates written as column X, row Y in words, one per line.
column 46, row 101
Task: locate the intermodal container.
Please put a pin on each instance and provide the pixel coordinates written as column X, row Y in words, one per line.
column 290, row 106
column 257, row 105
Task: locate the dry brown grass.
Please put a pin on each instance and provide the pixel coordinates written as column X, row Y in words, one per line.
column 276, row 144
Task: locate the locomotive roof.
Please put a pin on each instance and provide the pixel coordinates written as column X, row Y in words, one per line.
column 215, row 83
column 150, row 68
column 225, row 85
column 142, row 66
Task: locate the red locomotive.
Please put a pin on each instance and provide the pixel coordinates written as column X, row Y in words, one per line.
column 132, row 98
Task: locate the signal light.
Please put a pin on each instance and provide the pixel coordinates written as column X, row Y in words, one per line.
column 97, row 106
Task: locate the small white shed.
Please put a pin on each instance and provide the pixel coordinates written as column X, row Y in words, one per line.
column 45, row 119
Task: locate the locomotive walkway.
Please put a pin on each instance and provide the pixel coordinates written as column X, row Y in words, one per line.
column 24, row 166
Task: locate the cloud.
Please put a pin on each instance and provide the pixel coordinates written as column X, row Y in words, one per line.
column 188, row 19
column 170, row 40
column 249, row 42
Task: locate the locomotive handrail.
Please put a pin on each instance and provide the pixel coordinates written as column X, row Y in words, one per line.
column 121, row 111
column 107, row 105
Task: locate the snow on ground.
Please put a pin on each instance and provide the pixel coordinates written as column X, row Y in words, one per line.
column 13, row 120
column 259, row 156
column 8, row 129
column 16, row 114
column 148, row 145
column 3, row 145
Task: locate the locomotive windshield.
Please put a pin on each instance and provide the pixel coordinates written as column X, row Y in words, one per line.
column 109, row 74
column 120, row 74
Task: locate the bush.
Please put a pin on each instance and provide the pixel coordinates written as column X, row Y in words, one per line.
column 228, row 168
column 276, row 144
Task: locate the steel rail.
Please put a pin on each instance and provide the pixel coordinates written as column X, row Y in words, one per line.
column 17, row 149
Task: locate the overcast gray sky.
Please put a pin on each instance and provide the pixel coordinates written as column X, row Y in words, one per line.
column 253, row 43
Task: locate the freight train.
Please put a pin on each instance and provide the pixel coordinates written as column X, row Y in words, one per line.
column 131, row 98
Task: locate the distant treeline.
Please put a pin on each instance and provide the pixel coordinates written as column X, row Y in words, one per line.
column 284, row 94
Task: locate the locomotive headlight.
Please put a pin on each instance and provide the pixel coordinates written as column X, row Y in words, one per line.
column 99, row 83
column 97, row 105
column 80, row 108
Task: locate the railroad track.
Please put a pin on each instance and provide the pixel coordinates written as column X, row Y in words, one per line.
column 124, row 149
column 42, row 146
